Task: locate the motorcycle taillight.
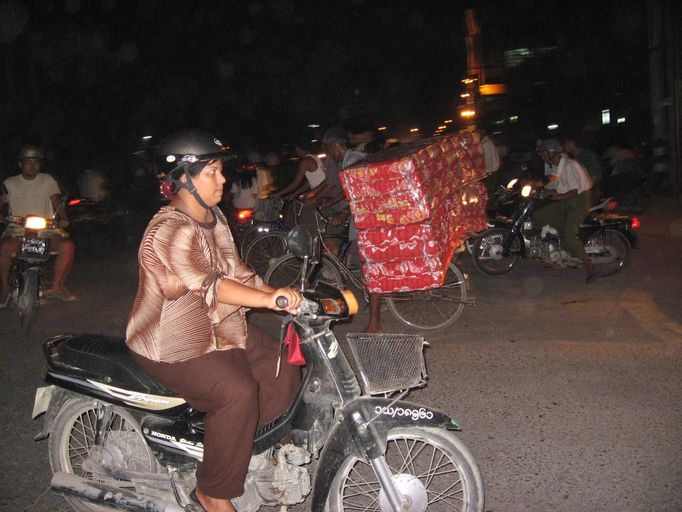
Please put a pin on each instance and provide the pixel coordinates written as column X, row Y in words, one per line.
column 635, row 223
column 243, row 215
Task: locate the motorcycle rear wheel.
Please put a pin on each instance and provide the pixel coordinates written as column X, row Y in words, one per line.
column 487, row 252
column 430, row 465
column 27, row 302
column 432, row 309
column 609, row 250
column 72, row 440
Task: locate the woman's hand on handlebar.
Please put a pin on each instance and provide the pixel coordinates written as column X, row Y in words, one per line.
column 293, row 300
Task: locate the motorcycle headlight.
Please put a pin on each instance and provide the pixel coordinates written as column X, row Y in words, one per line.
column 526, row 190
column 35, row 222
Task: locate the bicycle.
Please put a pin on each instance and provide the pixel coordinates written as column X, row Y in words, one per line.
column 432, row 309
column 267, row 216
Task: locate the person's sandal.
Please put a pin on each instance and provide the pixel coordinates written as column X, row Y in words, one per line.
column 63, row 296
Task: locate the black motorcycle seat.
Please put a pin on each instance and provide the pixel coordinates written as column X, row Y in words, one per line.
column 100, row 358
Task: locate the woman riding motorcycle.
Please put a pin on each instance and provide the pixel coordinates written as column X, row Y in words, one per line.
column 188, row 327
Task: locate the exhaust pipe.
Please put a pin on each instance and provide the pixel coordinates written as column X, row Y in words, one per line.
column 79, row 487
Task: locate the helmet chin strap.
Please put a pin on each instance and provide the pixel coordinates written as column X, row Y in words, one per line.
column 189, row 186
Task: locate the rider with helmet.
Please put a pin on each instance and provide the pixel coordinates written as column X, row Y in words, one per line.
column 569, row 186
column 35, row 193
column 188, row 327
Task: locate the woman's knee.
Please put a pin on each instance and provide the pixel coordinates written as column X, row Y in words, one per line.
column 239, row 394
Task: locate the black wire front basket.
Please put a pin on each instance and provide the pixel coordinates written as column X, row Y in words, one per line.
column 388, row 362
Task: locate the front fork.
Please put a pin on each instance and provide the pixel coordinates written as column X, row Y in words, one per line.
column 374, row 447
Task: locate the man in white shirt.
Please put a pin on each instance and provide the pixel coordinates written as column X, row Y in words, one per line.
column 569, row 185
column 35, row 193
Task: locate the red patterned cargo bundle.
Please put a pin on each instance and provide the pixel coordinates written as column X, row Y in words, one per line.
column 415, row 256
column 413, row 206
column 408, row 183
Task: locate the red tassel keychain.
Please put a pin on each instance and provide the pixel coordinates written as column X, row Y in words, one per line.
column 293, row 342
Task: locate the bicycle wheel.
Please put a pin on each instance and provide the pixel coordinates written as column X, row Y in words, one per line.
column 250, row 234
column 285, row 272
column 432, row 309
column 265, row 249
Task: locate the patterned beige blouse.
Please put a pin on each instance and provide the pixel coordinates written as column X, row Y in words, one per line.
column 176, row 315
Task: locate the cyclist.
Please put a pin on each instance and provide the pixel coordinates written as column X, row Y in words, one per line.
column 309, row 176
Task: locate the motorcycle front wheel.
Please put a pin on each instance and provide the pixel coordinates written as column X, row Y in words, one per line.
column 609, row 250
column 431, row 466
column 27, row 302
column 72, row 448
column 487, row 252
column 432, row 309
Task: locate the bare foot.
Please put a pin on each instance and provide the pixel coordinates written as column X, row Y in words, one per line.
column 214, row 504
column 63, row 294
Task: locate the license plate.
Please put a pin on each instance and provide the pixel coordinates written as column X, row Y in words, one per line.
column 34, row 247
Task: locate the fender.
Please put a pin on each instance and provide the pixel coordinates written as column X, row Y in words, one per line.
column 345, row 439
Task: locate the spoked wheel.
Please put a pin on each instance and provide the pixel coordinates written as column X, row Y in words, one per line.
column 487, row 251
column 609, row 250
column 285, row 272
column 432, row 309
column 251, row 233
column 27, row 302
column 72, row 447
column 431, row 467
column 264, row 250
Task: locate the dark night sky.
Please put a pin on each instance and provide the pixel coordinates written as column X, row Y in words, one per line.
column 89, row 77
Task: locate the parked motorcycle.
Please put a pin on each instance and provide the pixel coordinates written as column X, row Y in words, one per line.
column 25, row 274
column 607, row 236
column 120, row 439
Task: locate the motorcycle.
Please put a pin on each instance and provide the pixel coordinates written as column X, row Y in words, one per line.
column 607, row 236
column 25, row 274
column 95, row 225
column 117, row 438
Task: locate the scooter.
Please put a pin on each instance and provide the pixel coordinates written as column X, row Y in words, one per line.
column 117, row 438
column 607, row 236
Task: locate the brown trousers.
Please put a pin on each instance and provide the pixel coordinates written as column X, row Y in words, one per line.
column 238, row 391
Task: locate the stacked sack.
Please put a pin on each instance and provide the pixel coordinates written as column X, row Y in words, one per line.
column 413, row 206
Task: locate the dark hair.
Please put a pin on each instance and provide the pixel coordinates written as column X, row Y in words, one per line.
column 336, row 135
column 304, row 144
column 244, row 177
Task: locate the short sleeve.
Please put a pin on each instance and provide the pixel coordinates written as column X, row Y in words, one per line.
column 180, row 250
column 51, row 186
